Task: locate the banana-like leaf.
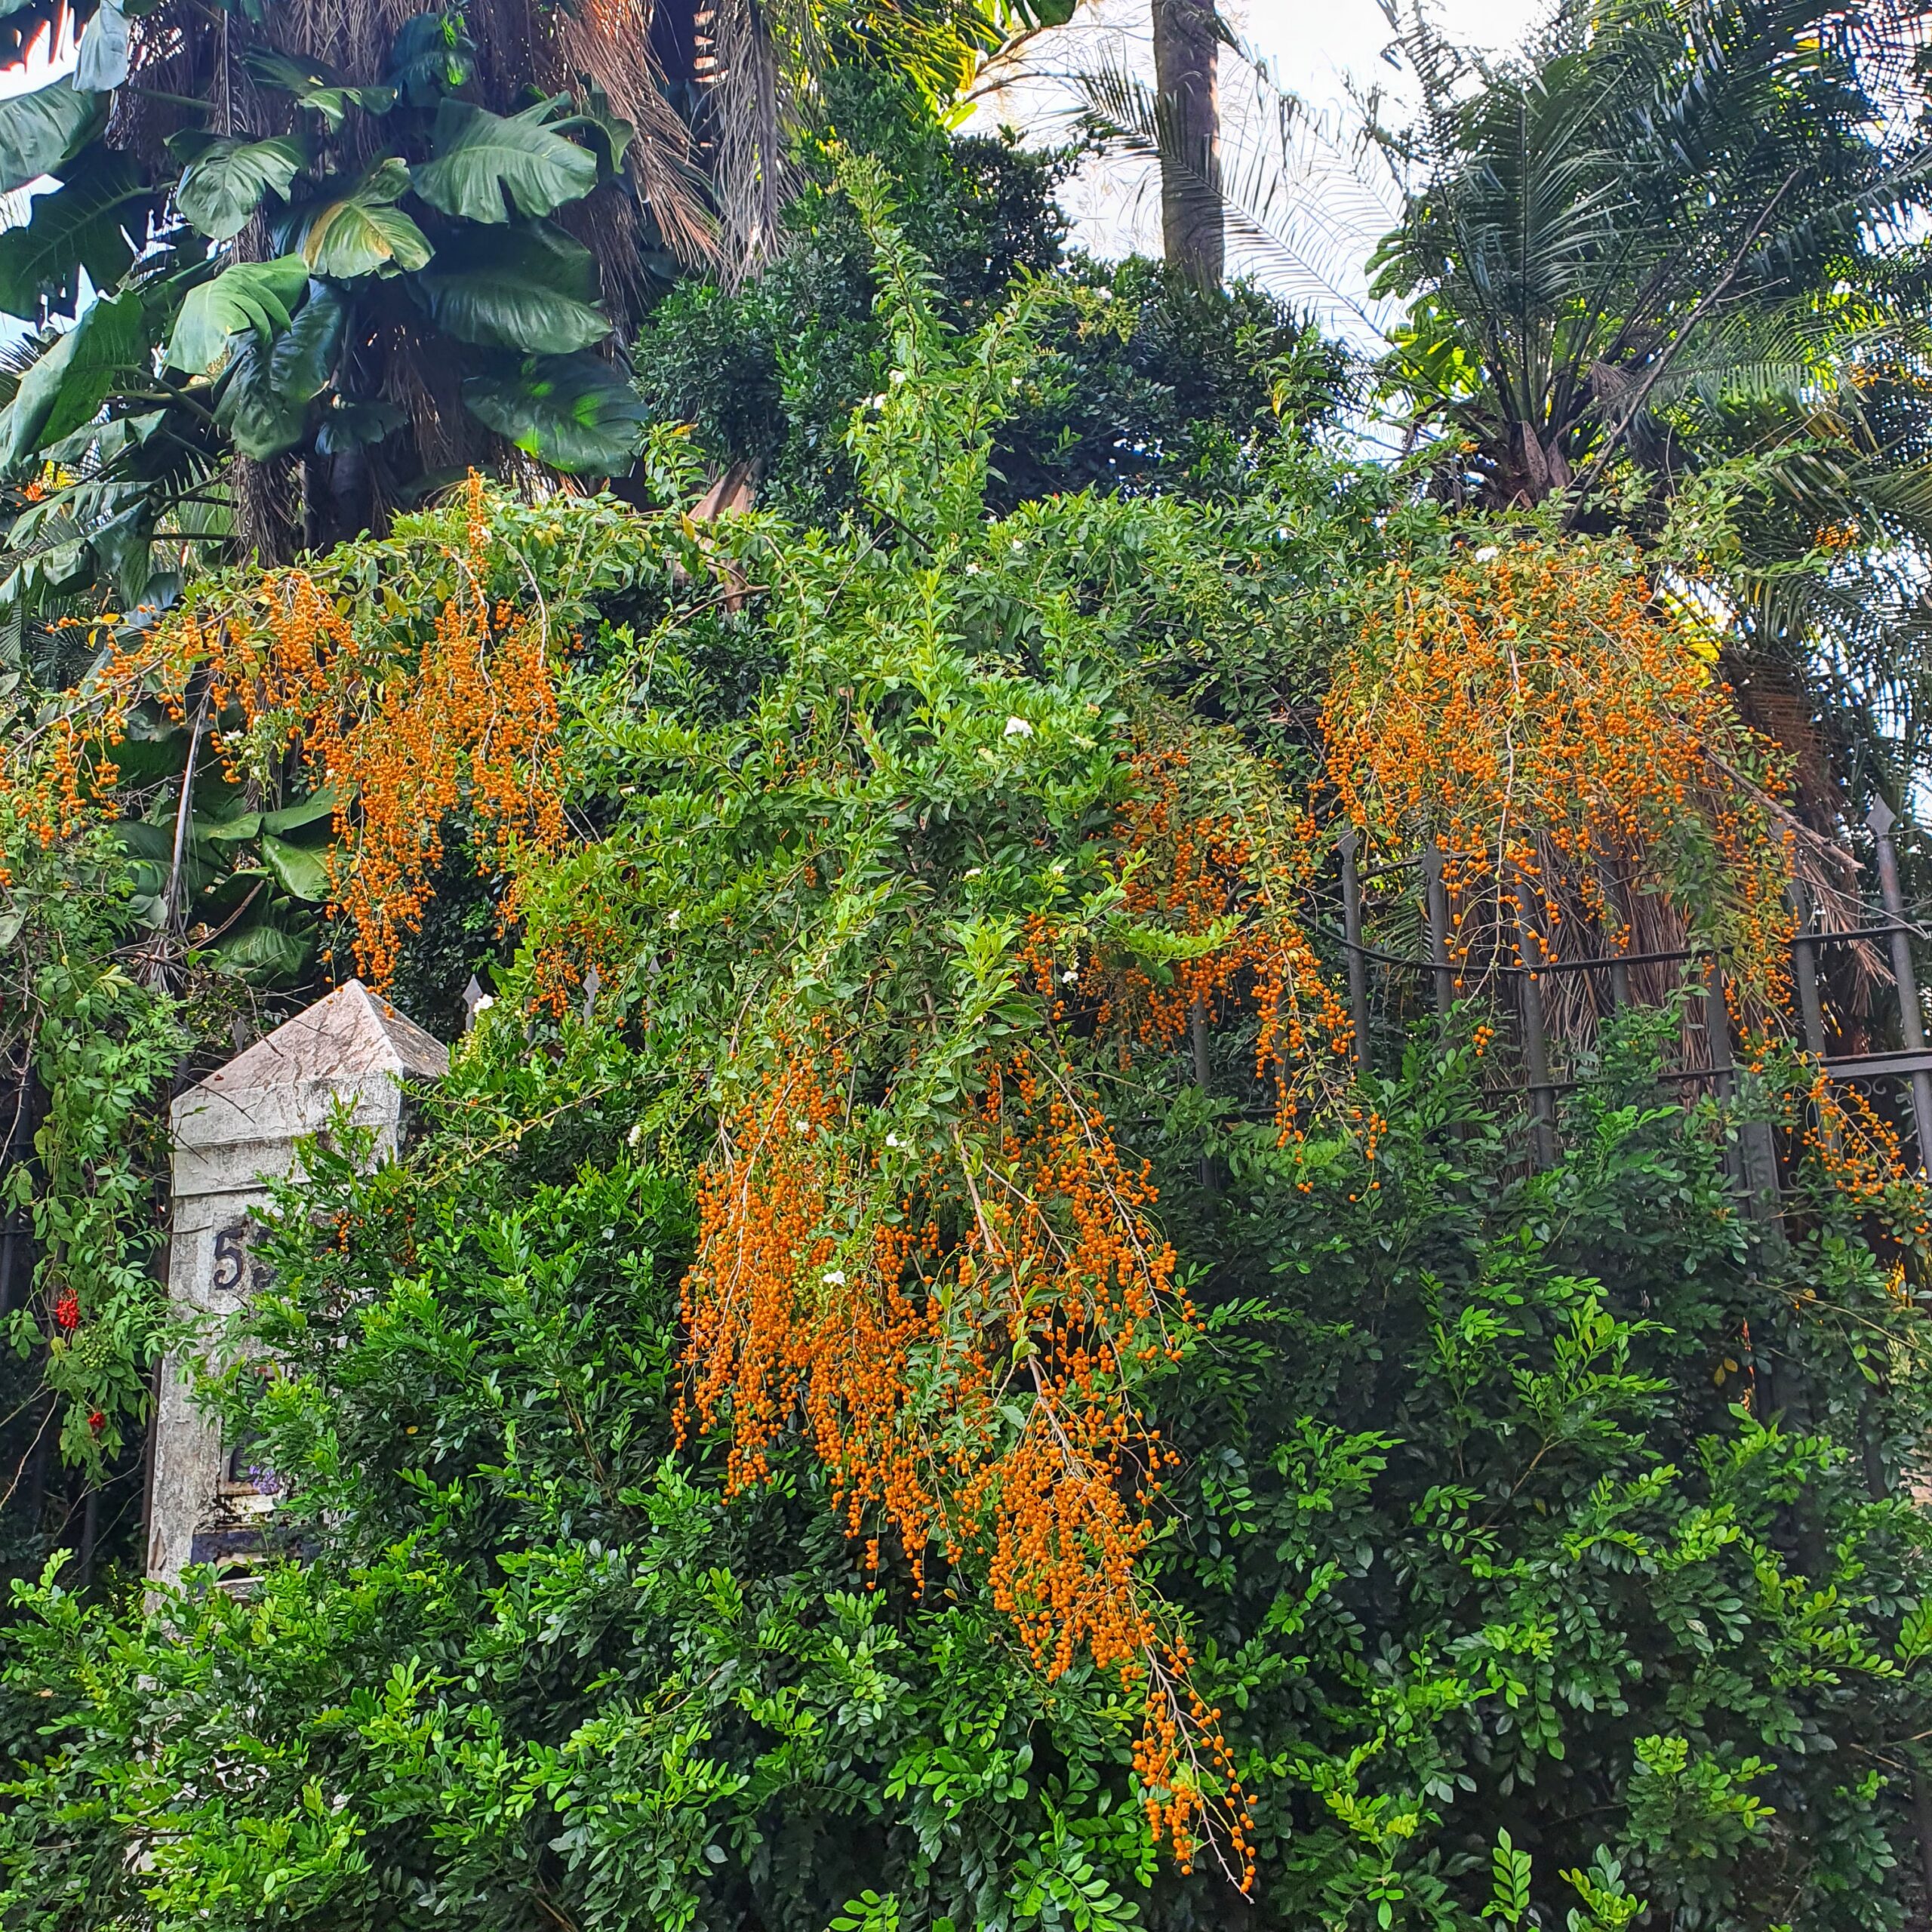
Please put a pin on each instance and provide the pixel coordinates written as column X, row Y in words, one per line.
column 487, row 166
column 255, row 298
column 572, row 412
column 40, row 130
column 317, row 85
column 226, row 180
column 66, row 386
column 531, row 288
column 363, row 233
column 81, row 226
column 300, row 871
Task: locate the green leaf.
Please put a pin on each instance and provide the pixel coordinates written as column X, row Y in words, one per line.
column 304, row 355
column 517, row 288
column 430, row 58
column 227, row 831
column 106, row 46
column 246, row 298
column 317, row 85
column 572, row 412
column 609, row 133
column 304, row 873
column 362, row 233
column 306, row 811
column 40, row 130
column 66, row 386
column 262, row 952
column 260, row 420
column 79, row 227
column 348, row 425
column 484, row 160
column 227, row 180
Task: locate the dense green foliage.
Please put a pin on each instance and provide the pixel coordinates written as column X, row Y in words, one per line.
column 1544, row 1536
column 1147, row 383
column 1516, row 1610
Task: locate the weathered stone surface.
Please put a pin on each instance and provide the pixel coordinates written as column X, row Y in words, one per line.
column 345, row 1057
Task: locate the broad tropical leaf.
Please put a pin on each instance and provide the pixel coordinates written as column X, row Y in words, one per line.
column 363, row 232
column 430, row 56
column 67, row 386
column 531, row 288
column 40, row 130
column 226, row 180
column 315, row 85
column 256, row 298
column 488, row 166
column 304, row 355
column 572, row 412
column 301, row 872
column 81, row 227
column 259, row 419
column 106, row 47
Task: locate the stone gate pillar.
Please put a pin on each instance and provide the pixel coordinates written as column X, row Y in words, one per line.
column 233, row 1134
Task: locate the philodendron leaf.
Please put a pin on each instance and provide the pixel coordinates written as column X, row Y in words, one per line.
column 305, row 811
column 529, row 288
column 82, row 226
column 256, row 298
column 572, row 412
column 258, row 420
column 430, row 56
column 66, row 386
column 317, row 85
column 363, row 233
column 227, row 180
column 105, row 50
column 40, row 130
column 304, row 873
column 487, row 166
column 262, row 952
column 606, row 130
column 349, row 426
column 305, row 353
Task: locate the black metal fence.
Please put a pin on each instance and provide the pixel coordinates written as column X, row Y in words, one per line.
column 1906, row 1070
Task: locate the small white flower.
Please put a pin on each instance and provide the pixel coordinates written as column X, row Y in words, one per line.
column 635, row 1135
column 875, row 401
column 833, row 1279
column 1071, row 975
column 1487, row 552
column 972, row 570
column 801, row 1126
column 1017, row 545
column 893, row 1140
column 672, row 919
column 484, row 1004
column 897, row 376
column 1018, row 727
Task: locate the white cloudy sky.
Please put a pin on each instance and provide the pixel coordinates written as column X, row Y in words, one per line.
column 1315, row 49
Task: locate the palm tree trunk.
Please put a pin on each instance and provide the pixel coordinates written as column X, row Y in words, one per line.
column 1184, row 48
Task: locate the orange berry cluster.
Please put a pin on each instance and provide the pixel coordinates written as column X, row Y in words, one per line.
column 1536, row 718
column 1200, row 866
column 474, row 720
column 959, row 1329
